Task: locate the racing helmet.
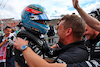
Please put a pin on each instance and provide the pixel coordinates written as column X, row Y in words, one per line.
column 34, row 17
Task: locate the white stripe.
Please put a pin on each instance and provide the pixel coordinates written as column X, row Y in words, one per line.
column 42, row 56
column 89, row 64
column 38, row 52
column 95, row 63
column 97, row 50
column 4, row 60
column 61, row 61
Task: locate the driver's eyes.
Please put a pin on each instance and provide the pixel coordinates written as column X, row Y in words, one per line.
column 42, row 22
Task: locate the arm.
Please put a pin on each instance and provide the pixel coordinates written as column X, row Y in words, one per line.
column 54, row 46
column 34, row 60
column 51, row 60
column 94, row 23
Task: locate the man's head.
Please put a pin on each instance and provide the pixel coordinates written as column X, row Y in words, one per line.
column 71, row 26
column 34, row 17
column 90, row 33
column 7, row 30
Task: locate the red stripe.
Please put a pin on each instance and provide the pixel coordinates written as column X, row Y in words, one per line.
column 33, row 23
column 32, row 10
column 1, row 58
column 4, row 57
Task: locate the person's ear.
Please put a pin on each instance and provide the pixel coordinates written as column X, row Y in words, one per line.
column 68, row 31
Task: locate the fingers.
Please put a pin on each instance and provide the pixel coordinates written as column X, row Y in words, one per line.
column 54, row 46
column 16, row 43
column 75, row 3
column 19, row 42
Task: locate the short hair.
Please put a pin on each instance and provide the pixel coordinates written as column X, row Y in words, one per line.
column 7, row 27
column 76, row 23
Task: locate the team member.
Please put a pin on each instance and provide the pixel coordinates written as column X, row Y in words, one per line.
column 94, row 23
column 34, row 20
column 70, row 45
column 93, row 42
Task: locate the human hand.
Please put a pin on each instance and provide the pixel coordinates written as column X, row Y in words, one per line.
column 75, row 4
column 6, row 40
column 19, row 42
column 54, row 46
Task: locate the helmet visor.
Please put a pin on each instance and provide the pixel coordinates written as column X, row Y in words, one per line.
column 39, row 17
column 41, row 22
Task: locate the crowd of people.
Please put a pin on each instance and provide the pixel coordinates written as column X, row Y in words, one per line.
column 72, row 50
column 6, row 48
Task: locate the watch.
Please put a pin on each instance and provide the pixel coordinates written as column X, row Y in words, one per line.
column 24, row 47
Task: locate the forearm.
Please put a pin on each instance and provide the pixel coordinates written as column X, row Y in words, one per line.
column 1, row 44
column 34, row 60
column 94, row 23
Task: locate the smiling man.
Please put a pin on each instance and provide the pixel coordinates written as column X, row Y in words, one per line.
column 93, row 42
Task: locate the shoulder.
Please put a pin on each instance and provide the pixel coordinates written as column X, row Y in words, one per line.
column 77, row 51
column 1, row 37
column 11, row 34
column 74, row 55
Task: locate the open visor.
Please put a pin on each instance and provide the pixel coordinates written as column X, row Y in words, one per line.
column 39, row 17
